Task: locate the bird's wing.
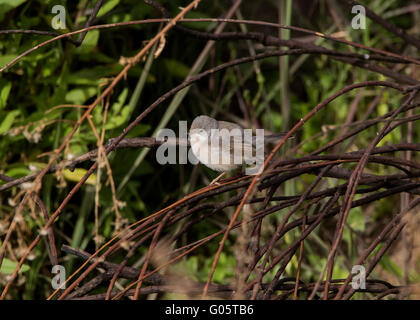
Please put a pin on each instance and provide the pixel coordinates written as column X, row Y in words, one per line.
column 229, row 125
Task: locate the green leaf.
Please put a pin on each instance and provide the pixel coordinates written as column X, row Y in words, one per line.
column 116, row 107
column 18, row 172
column 89, row 43
column 77, row 175
column 80, row 95
column 7, row 5
column 9, row 266
column 391, row 267
column 4, row 93
column 139, row 130
column 357, row 219
column 196, row 25
column 273, row 117
column 108, row 6
column 176, row 68
column 92, row 75
column 118, row 120
column 79, row 145
column 8, row 120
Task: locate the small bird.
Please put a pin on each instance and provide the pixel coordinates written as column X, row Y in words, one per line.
column 224, row 146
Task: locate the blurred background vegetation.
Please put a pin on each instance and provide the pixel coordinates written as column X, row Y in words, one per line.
column 273, row 93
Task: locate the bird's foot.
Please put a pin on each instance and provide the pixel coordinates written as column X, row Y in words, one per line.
column 215, row 181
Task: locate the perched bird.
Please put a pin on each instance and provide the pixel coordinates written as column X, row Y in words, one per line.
column 224, row 146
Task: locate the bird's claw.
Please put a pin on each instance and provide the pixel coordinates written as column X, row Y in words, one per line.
column 215, row 181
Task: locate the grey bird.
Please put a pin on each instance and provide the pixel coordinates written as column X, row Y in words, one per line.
column 224, row 146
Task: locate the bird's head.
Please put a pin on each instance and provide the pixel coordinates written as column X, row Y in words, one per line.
column 201, row 127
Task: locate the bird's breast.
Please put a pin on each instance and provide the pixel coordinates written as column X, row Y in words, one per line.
column 211, row 155
column 200, row 147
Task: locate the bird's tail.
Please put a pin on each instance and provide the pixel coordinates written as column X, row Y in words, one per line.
column 274, row 138
column 271, row 138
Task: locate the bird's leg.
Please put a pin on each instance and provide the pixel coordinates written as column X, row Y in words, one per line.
column 214, row 181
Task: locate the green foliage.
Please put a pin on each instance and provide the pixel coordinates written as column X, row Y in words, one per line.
column 35, row 119
column 224, row 273
column 7, row 5
column 9, row 266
